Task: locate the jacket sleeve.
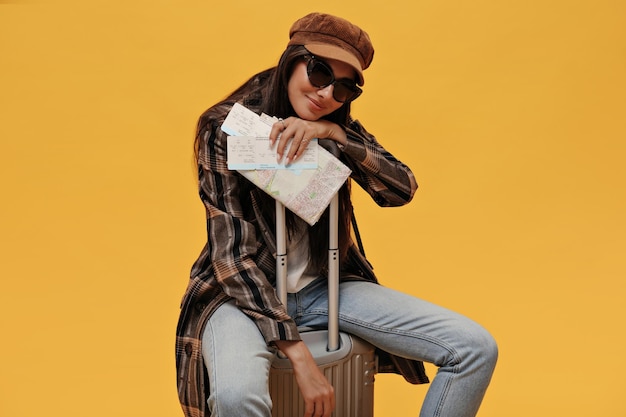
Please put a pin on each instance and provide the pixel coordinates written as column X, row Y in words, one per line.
column 386, row 179
column 232, row 241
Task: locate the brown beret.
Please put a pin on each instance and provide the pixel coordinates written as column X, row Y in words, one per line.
column 333, row 37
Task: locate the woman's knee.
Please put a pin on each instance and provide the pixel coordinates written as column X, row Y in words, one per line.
column 470, row 344
column 483, row 346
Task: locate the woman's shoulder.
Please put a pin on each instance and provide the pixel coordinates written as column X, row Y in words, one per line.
column 214, row 117
column 217, row 112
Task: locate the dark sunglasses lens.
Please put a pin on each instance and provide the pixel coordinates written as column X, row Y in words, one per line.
column 319, row 74
column 344, row 91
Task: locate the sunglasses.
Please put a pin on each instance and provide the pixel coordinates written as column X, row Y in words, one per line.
column 321, row 76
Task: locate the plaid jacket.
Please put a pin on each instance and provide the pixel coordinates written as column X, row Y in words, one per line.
column 238, row 260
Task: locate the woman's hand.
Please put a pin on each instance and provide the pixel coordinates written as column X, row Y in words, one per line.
column 318, row 394
column 299, row 133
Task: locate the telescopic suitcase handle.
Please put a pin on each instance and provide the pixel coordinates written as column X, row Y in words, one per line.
column 333, row 266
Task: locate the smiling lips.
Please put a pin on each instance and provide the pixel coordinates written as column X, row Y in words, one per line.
column 315, row 105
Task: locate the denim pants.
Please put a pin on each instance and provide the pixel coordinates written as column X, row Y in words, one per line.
column 238, row 359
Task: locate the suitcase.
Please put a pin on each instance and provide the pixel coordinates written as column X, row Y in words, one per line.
column 348, row 362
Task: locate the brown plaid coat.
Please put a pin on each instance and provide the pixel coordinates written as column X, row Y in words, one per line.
column 238, row 260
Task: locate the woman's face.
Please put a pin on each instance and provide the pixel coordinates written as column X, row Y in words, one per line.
column 310, row 102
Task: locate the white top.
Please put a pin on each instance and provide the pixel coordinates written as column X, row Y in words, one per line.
column 298, row 256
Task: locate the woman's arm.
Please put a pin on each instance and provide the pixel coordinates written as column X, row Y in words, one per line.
column 318, row 393
column 385, row 178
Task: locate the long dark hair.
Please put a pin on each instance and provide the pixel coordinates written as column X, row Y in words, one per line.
column 267, row 92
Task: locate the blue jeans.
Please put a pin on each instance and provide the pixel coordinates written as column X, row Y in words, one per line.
column 238, row 359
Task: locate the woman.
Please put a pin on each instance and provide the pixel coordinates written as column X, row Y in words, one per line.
column 232, row 322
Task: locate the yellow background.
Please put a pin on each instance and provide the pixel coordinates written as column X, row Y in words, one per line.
column 511, row 114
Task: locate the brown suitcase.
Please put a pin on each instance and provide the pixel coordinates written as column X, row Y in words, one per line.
column 348, row 362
